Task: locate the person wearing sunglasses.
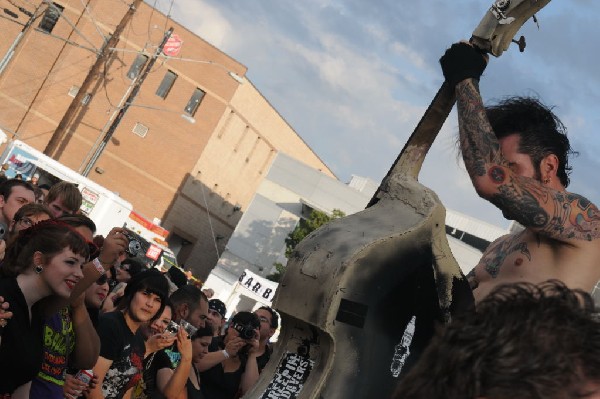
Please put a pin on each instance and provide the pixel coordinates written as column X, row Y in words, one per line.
column 25, row 217
column 70, row 338
column 127, row 269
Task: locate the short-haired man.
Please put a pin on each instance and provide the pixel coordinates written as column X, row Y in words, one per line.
column 63, row 198
column 14, row 194
column 516, row 154
column 216, row 315
column 189, row 304
column 524, row 341
column 269, row 322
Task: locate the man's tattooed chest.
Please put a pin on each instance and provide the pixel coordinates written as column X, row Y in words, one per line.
column 496, row 256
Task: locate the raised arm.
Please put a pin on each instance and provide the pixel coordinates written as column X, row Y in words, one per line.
column 543, row 207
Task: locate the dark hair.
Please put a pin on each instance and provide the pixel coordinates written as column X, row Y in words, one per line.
column 68, row 193
column 541, row 132
column 135, row 266
column 31, row 210
column 79, row 220
column 189, row 295
column 524, row 341
column 206, row 331
column 150, row 280
column 7, row 186
column 245, row 319
column 274, row 316
column 49, row 237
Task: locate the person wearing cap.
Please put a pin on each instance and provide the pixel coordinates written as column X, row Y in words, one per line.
column 216, row 315
column 120, row 365
column 230, row 368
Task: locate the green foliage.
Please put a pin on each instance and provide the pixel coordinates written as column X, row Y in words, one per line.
column 304, row 228
column 279, row 270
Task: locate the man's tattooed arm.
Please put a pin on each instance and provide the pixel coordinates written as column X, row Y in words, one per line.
column 553, row 213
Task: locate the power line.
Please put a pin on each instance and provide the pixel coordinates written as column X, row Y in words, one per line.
column 61, row 129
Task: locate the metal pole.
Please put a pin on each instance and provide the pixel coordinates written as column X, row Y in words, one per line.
column 11, row 50
column 126, row 105
column 105, row 52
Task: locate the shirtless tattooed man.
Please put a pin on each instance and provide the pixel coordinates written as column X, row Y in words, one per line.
column 516, row 155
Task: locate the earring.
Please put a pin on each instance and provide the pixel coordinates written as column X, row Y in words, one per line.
column 546, row 180
column 38, row 269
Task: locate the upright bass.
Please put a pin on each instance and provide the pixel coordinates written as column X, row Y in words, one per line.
column 362, row 295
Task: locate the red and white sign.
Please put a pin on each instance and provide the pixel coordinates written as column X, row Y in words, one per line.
column 173, row 45
column 153, row 252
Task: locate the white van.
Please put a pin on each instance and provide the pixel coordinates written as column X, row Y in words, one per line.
column 103, row 206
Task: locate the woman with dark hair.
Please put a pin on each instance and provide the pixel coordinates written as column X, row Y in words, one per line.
column 120, row 365
column 127, row 269
column 42, row 261
column 231, row 367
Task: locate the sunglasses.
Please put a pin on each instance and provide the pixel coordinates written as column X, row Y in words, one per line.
column 102, row 279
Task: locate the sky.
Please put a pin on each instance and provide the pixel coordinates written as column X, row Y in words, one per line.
column 353, row 77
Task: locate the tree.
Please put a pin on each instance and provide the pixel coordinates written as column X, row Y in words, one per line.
column 304, row 228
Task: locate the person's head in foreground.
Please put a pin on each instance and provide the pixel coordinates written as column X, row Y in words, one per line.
column 524, row 341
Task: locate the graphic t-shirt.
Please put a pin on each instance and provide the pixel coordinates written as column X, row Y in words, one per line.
column 59, row 342
column 126, row 350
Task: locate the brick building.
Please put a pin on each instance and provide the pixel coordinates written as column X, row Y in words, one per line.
column 193, row 146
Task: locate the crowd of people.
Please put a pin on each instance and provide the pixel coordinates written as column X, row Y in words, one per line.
column 74, row 304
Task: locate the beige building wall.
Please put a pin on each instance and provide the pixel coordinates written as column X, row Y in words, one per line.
column 179, row 171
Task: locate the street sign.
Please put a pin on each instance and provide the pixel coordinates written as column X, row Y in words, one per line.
column 173, row 45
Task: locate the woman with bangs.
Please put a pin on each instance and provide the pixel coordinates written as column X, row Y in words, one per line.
column 43, row 261
column 120, row 365
column 70, row 338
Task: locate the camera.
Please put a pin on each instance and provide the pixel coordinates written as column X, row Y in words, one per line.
column 245, row 331
column 134, row 248
column 173, row 327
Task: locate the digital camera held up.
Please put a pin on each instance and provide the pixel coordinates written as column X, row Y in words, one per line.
column 173, row 327
column 245, row 331
column 134, row 248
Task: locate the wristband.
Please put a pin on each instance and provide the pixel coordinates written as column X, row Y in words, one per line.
column 224, row 352
column 98, row 265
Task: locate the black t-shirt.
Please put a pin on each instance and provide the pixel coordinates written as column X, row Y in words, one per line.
column 263, row 359
column 157, row 361
column 215, row 383
column 21, row 347
column 126, row 350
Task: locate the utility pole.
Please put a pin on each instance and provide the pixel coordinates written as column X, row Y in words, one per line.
column 136, row 88
column 11, row 51
column 105, row 52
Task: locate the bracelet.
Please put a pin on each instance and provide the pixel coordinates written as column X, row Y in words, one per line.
column 98, row 265
column 224, row 352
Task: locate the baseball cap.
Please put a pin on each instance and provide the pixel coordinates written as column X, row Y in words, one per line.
column 218, row 306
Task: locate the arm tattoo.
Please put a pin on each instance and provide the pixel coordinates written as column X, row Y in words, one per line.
column 556, row 214
column 478, row 142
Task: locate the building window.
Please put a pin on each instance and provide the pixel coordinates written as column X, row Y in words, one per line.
column 137, row 66
column 194, row 102
column 166, row 84
column 50, row 17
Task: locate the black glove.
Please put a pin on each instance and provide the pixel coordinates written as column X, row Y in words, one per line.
column 462, row 61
